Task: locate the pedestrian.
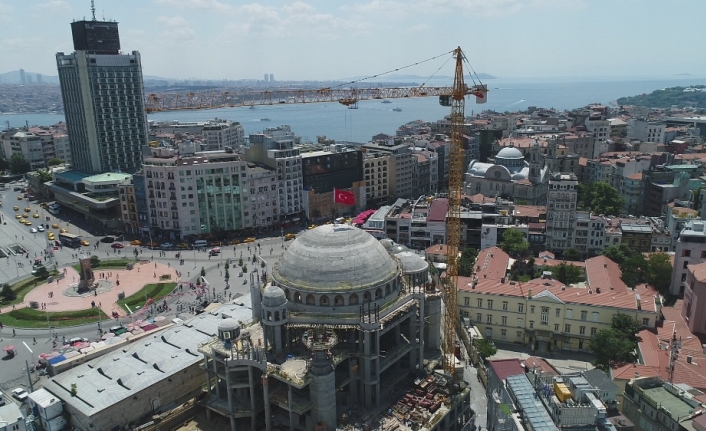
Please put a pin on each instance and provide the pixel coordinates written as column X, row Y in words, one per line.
column 34, row 340
column 13, row 333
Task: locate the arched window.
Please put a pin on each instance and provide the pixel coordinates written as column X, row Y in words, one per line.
column 323, row 300
column 286, row 294
column 269, row 316
column 310, row 300
column 276, row 316
column 338, row 300
column 284, row 314
column 298, row 297
column 367, row 296
column 388, row 289
column 353, row 299
column 378, row 293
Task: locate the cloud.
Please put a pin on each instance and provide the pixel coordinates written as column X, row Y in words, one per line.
column 402, row 10
column 196, row 4
column 176, row 29
column 53, row 6
column 419, row 28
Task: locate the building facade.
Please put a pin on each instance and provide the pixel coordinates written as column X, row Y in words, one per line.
column 103, row 99
column 562, row 194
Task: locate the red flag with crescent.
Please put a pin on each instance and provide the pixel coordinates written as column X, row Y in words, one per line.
column 343, row 197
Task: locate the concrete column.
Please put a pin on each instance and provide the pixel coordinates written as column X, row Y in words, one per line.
column 255, row 294
column 289, row 403
column 278, row 338
column 229, row 390
column 266, row 396
column 367, row 370
column 215, row 372
column 253, row 405
column 433, row 333
column 413, row 359
column 422, row 329
column 353, row 385
column 323, row 389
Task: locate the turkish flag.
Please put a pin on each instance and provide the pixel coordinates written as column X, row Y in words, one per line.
column 343, row 197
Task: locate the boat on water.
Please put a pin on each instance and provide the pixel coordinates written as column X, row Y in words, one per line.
column 264, row 119
column 397, row 109
column 252, row 106
column 385, row 101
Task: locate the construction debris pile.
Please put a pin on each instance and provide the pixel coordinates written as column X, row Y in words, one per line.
column 419, row 404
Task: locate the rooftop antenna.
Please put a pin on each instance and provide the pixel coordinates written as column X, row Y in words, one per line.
column 93, row 9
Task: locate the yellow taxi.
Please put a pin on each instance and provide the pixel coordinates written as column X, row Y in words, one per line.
column 25, row 215
column 153, row 244
column 35, row 215
column 234, row 241
column 251, row 239
column 51, row 237
column 27, row 223
column 62, row 230
column 16, row 208
column 85, row 243
column 313, row 226
column 290, row 236
column 135, row 242
column 215, row 244
column 43, row 205
column 28, row 209
column 19, row 198
column 182, row 246
column 18, row 216
column 55, row 226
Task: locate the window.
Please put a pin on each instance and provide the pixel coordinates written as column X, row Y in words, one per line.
column 488, row 332
column 645, row 321
column 558, row 312
column 584, row 315
column 569, row 313
column 595, row 316
column 503, row 333
column 504, row 320
column 480, row 303
column 567, row 328
column 686, row 253
column 545, row 316
column 466, row 301
column 685, row 264
column 520, row 322
column 532, row 309
column 490, row 304
column 582, row 330
column 519, row 334
column 489, row 318
column 504, row 305
column 703, row 254
column 479, row 317
column 531, row 324
column 593, row 332
column 521, row 308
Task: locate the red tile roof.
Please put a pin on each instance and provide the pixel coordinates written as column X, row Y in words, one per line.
column 492, row 263
column 539, row 364
column 505, row 368
column 437, row 249
column 438, row 209
column 604, row 274
column 532, row 211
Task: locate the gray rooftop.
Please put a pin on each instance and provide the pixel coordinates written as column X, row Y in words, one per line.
column 532, row 408
column 636, row 228
column 123, row 373
column 599, row 379
column 10, row 414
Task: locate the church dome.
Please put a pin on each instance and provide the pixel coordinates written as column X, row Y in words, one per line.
column 509, row 153
column 334, row 258
column 273, row 296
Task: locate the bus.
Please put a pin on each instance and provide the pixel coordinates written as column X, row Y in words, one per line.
column 54, row 208
column 70, row 240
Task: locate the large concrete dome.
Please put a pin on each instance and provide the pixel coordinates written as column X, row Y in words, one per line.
column 333, row 258
column 273, row 296
column 509, row 153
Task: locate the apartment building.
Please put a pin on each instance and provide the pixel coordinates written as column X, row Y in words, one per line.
column 27, row 144
column 677, row 217
column 219, row 134
column 275, row 148
column 562, row 193
column 543, row 313
column 690, row 250
column 425, row 177
column 599, row 127
column 655, row 405
column 376, row 173
column 695, row 298
column 647, row 131
column 401, row 164
column 128, row 207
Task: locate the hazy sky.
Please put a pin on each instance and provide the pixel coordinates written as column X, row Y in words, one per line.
column 333, row 39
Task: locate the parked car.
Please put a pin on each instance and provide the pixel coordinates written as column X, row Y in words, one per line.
column 106, row 239
column 85, row 243
column 40, row 228
column 135, row 242
column 20, row 394
column 251, row 239
column 117, row 245
column 33, row 230
column 167, row 245
column 290, row 236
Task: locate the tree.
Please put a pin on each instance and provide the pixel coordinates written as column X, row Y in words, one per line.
column 4, row 164
column 634, row 270
column 610, row 345
column 625, row 326
column 485, row 348
column 7, row 293
column 601, row 198
column 18, row 164
column 95, row 262
column 572, row 254
column 514, row 242
column 43, row 175
column 618, row 253
column 245, row 269
column 659, row 272
column 567, row 273
column 41, row 273
column 54, row 161
column 203, row 271
column 467, row 262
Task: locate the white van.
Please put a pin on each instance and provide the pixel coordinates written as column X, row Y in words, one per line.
column 54, row 209
column 200, row 243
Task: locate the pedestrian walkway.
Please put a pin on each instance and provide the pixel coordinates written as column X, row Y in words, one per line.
column 130, row 282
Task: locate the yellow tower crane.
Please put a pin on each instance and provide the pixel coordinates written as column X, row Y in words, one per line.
column 448, row 96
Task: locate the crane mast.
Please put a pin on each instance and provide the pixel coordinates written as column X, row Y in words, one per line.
column 453, row 220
